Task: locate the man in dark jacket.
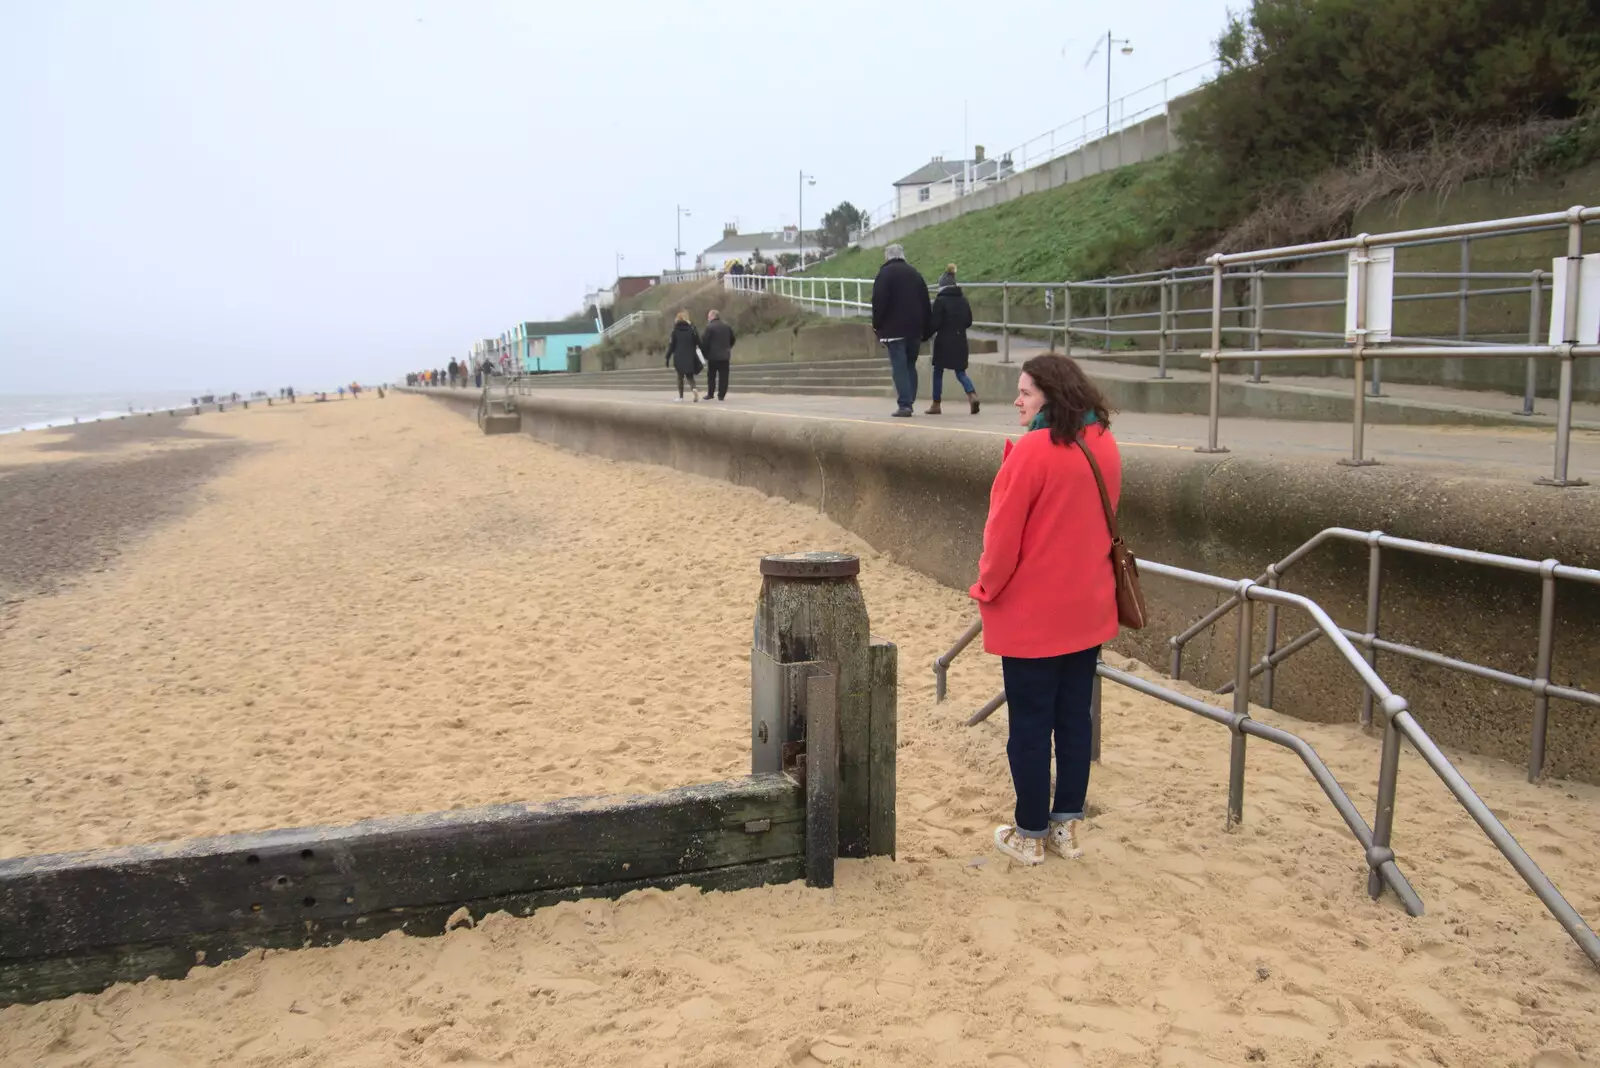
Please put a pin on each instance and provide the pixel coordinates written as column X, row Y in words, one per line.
column 717, row 345
column 902, row 318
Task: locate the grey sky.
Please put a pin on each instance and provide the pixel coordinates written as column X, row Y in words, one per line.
column 216, row 194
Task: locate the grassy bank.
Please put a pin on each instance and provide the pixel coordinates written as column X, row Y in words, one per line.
column 1104, row 225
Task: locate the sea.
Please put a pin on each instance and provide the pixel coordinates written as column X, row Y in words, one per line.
column 40, row 411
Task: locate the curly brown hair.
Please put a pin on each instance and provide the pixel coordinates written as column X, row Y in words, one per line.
column 1069, row 394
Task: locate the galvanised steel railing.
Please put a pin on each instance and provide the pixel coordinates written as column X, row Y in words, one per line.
column 1105, row 121
column 1399, row 723
column 628, row 322
column 1539, row 685
column 1157, row 298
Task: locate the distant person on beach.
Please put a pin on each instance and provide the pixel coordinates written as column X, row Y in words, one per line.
column 717, row 345
column 952, row 318
column 683, row 354
column 902, row 318
column 455, row 370
column 1048, row 597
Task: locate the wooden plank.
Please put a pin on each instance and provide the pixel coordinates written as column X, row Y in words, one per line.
column 801, row 619
column 883, row 747
column 246, row 885
column 43, row 978
column 777, row 708
column 822, row 778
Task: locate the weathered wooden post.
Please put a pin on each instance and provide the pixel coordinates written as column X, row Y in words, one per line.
column 811, row 622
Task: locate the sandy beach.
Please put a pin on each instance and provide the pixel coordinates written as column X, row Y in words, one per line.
column 354, row 609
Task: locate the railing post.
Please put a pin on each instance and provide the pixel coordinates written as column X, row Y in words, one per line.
column 1383, row 818
column 1466, row 266
column 1161, row 347
column 1107, row 346
column 1270, row 672
column 1066, row 322
column 1374, row 592
column 1005, row 323
column 1241, row 709
column 1255, row 322
column 1376, row 388
column 1535, row 313
column 1358, row 418
column 1215, row 414
column 1569, row 337
column 1541, row 671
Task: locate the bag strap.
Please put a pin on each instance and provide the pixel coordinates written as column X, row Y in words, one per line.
column 1100, row 481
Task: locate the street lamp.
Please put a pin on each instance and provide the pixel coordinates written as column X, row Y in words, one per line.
column 1127, row 50
column 620, row 258
column 805, row 179
column 677, row 251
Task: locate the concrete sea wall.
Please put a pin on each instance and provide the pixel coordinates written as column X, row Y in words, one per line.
column 921, row 496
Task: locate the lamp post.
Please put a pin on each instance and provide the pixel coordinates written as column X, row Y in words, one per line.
column 804, row 179
column 620, row 258
column 677, row 250
column 1127, row 50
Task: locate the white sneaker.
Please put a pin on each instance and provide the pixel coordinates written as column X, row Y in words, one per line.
column 1063, row 839
column 678, row 400
column 1017, row 846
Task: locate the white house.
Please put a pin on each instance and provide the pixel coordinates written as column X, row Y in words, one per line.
column 940, row 181
column 770, row 243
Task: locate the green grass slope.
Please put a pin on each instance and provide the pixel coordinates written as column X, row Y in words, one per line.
column 1104, row 225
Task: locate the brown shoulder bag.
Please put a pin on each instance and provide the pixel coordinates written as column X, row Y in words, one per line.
column 1124, row 565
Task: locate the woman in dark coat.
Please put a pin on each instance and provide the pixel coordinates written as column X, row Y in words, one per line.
column 952, row 315
column 683, row 354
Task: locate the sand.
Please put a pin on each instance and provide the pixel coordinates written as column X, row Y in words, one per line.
column 375, row 610
column 74, row 498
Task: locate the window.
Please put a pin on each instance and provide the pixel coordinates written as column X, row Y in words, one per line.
column 922, row 195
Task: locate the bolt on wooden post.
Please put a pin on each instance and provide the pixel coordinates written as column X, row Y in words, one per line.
column 811, row 621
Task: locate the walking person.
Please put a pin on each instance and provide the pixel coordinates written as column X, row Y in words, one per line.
column 683, row 354
column 717, row 345
column 952, row 318
column 902, row 319
column 1047, row 594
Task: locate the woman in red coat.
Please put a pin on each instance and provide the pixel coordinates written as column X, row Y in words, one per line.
column 1048, row 597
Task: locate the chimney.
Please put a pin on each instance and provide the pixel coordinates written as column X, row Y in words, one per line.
column 977, row 154
column 730, row 230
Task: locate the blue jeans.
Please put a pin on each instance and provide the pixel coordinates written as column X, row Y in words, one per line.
column 1044, row 698
column 903, row 366
column 938, row 382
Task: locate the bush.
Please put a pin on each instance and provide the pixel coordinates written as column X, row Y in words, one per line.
column 1311, row 84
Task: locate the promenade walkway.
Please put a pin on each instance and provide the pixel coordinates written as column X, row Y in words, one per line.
column 1513, row 452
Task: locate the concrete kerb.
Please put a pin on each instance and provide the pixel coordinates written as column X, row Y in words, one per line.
column 922, row 498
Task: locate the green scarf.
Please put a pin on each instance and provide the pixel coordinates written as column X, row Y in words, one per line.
column 1042, row 420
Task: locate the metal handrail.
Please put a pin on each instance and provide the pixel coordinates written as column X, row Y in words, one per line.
column 628, row 322
column 1398, row 723
column 1248, row 269
column 1052, row 145
column 1539, row 684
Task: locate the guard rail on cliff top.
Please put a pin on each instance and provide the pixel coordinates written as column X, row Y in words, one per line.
column 1100, row 123
column 1151, row 307
column 1398, row 721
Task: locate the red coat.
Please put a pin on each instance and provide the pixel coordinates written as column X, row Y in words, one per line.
column 1045, row 586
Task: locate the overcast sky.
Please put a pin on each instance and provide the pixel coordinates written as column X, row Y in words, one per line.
column 229, row 194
